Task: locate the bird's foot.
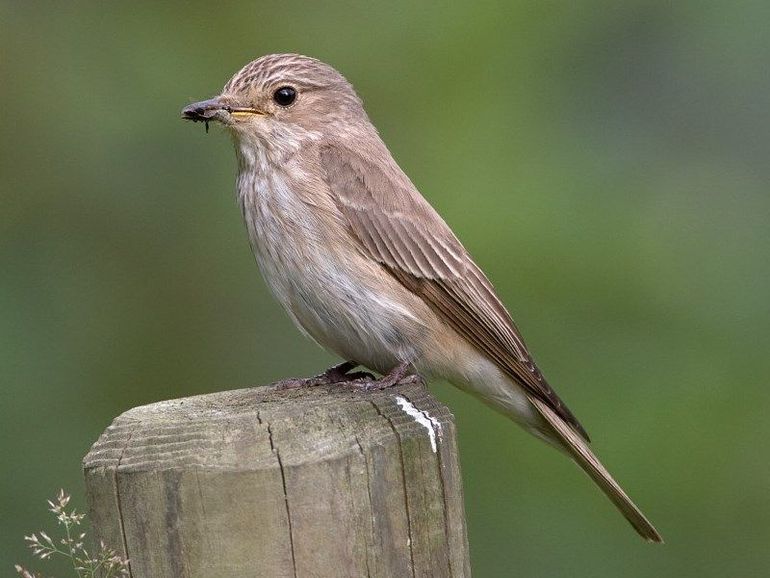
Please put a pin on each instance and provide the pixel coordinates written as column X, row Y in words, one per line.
column 342, row 372
column 396, row 376
column 336, row 374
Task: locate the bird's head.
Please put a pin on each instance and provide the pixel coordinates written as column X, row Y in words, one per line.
column 279, row 101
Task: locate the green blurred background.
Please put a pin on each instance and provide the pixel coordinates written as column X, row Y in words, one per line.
column 605, row 162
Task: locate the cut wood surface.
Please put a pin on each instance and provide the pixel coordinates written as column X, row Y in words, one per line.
column 318, row 481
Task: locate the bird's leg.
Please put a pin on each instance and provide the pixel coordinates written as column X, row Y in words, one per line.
column 341, row 372
column 335, row 374
column 397, row 375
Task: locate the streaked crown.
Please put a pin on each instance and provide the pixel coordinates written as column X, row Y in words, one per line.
column 273, row 69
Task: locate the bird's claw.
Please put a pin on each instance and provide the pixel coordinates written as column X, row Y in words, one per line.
column 385, row 382
column 338, row 374
column 362, row 380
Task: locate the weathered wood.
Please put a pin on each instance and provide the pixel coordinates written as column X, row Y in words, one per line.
column 311, row 482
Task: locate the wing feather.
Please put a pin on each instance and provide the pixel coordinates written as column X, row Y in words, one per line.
column 400, row 230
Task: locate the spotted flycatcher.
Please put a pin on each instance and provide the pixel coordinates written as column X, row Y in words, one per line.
column 364, row 265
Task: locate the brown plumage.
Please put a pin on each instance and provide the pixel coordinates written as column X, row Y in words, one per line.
column 362, row 262
column 388, row 217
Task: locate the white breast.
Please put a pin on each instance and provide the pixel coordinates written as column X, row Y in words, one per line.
column 331, row 297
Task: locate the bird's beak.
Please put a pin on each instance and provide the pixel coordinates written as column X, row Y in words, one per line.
column 217, row 109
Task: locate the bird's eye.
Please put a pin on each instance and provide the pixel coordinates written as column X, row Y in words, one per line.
column 285, row 95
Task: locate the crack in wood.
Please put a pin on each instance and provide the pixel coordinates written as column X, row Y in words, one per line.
column 117, row 500
column 285, row 493
column 356, row 496
column 369, row 493
column 439, row 449
column 403, row 484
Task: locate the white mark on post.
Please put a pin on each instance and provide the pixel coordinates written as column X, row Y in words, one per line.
column 427, row 421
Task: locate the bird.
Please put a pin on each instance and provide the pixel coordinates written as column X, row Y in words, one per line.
column 365, row 266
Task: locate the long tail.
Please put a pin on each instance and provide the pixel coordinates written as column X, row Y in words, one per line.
column 582, row 454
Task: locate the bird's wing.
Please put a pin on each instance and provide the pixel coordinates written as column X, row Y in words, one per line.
column 400, row 230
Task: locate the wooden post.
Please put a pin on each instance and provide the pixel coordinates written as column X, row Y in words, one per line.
column 321, row 481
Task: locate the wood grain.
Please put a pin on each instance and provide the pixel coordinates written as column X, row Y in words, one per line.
column 312, row 482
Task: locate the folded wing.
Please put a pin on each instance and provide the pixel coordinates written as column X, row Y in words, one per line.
column 400, row 230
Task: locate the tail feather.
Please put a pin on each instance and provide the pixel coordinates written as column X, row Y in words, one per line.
column 579, row 451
